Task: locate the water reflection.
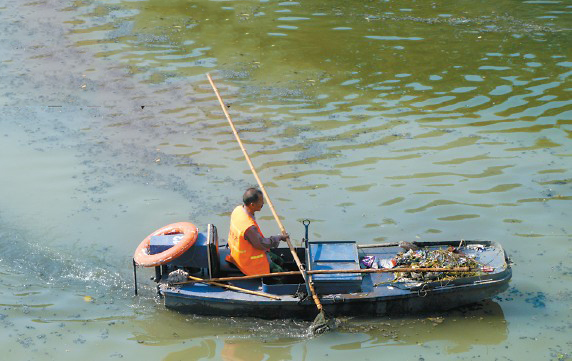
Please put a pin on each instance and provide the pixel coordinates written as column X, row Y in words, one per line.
column 246, row 350
column 460, row 330
column 318, row 106
column 235, row 350
column 165, row 327
column 223, row 338
column 205, row 349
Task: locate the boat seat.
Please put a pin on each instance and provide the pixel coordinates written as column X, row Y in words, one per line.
column 218, row 263
column 226, row 266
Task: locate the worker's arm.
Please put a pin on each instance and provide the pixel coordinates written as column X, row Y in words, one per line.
column 259, row 242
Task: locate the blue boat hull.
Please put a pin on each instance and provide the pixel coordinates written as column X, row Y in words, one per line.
column 379, row 295
column 414, row 302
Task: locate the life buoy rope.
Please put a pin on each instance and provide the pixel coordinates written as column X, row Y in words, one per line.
column 187, row 234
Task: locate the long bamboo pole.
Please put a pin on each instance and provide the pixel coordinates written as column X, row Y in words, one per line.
column 307, row 279
column 234, row 288
column 332, row 271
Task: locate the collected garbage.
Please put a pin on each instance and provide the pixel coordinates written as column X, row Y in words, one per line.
column 437, row 258
column 415, row 257
column 369, row 262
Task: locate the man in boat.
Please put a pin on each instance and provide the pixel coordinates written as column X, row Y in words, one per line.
column 248, row 246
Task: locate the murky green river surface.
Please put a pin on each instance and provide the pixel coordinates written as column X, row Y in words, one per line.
column 378, row 120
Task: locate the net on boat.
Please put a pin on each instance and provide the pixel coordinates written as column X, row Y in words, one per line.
column 177, row 276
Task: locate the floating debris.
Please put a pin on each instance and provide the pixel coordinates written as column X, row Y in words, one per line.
column 436, row 320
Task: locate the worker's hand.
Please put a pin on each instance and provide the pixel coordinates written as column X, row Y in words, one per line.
column 275, row 240
column 278, row 238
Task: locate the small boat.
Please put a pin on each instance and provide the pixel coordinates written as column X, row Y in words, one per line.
column 350, row 279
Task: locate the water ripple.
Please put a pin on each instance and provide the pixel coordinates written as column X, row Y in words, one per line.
column 358, row 107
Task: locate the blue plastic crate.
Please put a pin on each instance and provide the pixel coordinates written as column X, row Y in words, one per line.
column 335, row 255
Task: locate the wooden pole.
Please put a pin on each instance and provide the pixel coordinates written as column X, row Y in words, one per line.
column 234, row 288
column 307, row 278
column 377, row 245
column 331, row 271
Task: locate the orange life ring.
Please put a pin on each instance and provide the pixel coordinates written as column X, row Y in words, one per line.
column 188, row 237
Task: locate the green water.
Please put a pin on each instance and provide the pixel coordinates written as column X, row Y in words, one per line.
column 377, row 120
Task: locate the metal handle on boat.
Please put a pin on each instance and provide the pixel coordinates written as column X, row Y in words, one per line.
column 306, row 224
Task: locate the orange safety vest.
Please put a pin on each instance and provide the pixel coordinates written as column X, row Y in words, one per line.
column 249, row 260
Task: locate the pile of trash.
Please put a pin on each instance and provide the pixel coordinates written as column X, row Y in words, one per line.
column 438, row 258
column 416, row 257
